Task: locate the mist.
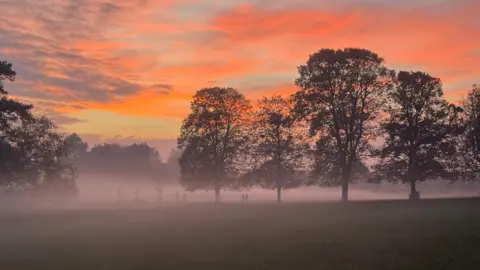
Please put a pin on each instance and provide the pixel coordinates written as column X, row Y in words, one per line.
column 97, row 192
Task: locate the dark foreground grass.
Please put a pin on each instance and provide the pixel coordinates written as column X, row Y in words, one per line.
column 434, row 234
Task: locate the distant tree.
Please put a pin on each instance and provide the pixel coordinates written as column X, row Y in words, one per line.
column 339, row 99
column 279, row 145
column 75, row 146
column 117, row 159
column 172, row 166
column 211, row 136
column 421, row 129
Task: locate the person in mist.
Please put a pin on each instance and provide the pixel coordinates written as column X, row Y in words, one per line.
column 178, row 196
column 246, row 198
column 243, row 198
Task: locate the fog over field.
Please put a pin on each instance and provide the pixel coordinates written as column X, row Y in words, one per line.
column 104, row 192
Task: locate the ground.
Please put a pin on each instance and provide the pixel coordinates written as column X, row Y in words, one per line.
column 433, row 234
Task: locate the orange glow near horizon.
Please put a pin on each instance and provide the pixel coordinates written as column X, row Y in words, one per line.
column 104, row 67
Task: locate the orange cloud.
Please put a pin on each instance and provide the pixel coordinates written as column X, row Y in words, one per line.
column 442, row 40
column 147, row 58
column 149, row 104
column 248, row 24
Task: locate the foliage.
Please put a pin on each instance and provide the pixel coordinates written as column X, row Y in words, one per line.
column 118, row 159
column 339, row 98
column 6, row 73
column 32, row 151
column 470, row 146
column 211, row 136
column 11, row 111
column 37, row 159
column 421, row 128
column 279, row 146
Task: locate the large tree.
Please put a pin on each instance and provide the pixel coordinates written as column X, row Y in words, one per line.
column 338, row 98
column 420, row 131
column 211, row 137
column 33, row 155
column 470, row 146
column 279, row 146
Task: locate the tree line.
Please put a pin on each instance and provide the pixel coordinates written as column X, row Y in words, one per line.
column 36, row 158
column 351, row 119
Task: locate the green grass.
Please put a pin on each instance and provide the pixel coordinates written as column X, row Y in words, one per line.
column 433, row 234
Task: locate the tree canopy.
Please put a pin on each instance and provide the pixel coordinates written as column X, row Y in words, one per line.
column 338, row 97
column 211, row 136
column 420, row 127
column 279, row 146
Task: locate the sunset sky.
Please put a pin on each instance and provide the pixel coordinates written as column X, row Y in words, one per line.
column 125, row 70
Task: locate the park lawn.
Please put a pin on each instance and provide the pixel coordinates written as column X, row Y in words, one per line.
column 430, row 234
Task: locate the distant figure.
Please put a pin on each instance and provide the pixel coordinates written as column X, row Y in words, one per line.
column 184, row 197
column 246, row 198
column 243, row 198
column 178, row 196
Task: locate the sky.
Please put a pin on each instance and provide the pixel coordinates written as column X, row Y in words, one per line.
column 125, row 70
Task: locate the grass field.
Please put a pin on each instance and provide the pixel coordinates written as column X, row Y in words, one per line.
column 433, row 234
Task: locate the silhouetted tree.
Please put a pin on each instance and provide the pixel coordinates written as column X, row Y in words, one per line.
column 117, row 159
column 338, row 98
column 471, row 139
column 75, row 146
column 211, row 136
column 421, row 128
column 172, row 166
column 11, row 111
column 6, row 73
column 38, row 160
column 279, row 145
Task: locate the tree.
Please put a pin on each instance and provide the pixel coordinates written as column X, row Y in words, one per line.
column 38, row 160
column 421, row 128
column 11, row 111
column 211, row 137
column 118, row 159
column 6, row 73
column 12, row 115
column 339, row 99
column 32, row 152
column 279, row 145
column 75, row 146
column 470, row 146
column 172, row 167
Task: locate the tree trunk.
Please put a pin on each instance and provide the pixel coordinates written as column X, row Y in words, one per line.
column 345, row 182
column 414, row 195
column 279, row 195
column 217, row 195
column 344, row 191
